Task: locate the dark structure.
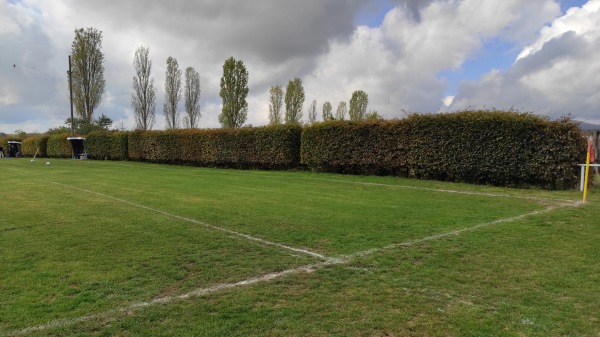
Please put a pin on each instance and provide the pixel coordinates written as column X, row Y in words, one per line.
column 78, row 146
column 14, row 149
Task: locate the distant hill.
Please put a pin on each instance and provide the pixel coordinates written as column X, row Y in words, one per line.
column 588, row 127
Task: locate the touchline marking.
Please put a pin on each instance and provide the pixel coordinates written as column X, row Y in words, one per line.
column 263, row 278
column 441, row 190
column 198, row 222
column 485, row 194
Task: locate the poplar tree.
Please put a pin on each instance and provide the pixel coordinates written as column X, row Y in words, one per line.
column 358, row 105
column 275, row 104
column 234, row 90
column 327, row 108
column 327, row 114
column 87, row 72
column 172, row 92
column 340, row 113
column 312, row 112
column 294, row 99
column 192, row 98
column 143, row 98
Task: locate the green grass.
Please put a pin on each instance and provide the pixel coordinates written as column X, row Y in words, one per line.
column 84, row 243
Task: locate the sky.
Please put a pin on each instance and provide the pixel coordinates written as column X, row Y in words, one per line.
column 423, row 56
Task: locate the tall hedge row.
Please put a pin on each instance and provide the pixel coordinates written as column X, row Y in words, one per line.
column 269, row 147
column 59, row 147
column 483, row 147
column 107, row 145
column 371, row 147
column 35, row 144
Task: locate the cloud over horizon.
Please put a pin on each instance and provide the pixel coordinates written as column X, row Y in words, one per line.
column 398, row 61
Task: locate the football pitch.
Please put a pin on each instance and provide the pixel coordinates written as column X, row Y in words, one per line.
column 106, row 248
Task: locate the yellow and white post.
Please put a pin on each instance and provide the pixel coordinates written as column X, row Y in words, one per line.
column 587, row 169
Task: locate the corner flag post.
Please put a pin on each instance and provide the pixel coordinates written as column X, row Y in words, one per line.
column 587, row 168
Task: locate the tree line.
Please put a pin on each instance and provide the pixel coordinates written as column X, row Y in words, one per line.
column 88, row 86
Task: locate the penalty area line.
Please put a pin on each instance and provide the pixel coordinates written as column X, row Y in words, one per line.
column 202, row 223
column 169, row 299
column 267, row 277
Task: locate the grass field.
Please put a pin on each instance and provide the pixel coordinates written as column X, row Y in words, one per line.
column 107, row 248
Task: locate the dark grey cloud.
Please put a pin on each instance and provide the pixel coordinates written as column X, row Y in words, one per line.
column 414, row 7
column 273, row 31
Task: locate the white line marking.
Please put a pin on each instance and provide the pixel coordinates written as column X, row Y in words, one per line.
column 264, row 278
column 457, row 231
column 170, row 299
column 441, row 190
column 198, row 222
column 485, row 194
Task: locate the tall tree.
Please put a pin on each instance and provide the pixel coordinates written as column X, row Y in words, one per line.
column 312, row 112
column 327, row 108
column 275, row 104
column 374, row 115
column 340, row 113
column 87, row 72
column 358, row 105
column 172, row 92
column 294, row 99
column 192, row 97
column 143, row 98
column 234, row 90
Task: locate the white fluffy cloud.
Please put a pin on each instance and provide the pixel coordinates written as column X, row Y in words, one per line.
column 555, row 75
column 397, row 62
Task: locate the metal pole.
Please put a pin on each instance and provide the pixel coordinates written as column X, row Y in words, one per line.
column 71, row 97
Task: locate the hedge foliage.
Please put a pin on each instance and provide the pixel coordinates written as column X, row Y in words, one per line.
column 107, row 145
column 271, row 147
column 35, row 144
column 482, row 147
column 369, row 147
column 59, row 147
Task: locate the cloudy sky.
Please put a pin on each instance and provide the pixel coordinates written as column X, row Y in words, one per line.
column 541, row 56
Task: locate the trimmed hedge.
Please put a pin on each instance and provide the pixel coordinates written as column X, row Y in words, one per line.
column 107, row 145
column 32, row 144
column 59, row 146
column 482, row 147
column 369, row 147
column 271, row 147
